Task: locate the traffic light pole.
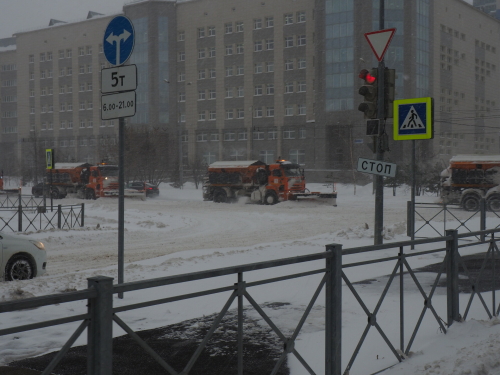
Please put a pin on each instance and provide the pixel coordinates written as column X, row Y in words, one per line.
column 379, row 180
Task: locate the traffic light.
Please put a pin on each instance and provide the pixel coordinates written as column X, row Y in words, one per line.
column 389, row 90
column 369, row 91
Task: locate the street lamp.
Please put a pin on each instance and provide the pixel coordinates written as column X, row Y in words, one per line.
column 179, row 135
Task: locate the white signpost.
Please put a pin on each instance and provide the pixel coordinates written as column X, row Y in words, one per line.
column 119, row 78
column 380, row 168
column 118, row 105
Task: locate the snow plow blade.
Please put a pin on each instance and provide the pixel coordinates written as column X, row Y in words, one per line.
column 328, row 197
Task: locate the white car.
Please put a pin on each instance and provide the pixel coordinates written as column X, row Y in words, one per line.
column 21, row 259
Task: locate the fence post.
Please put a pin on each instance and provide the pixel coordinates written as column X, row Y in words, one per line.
column 20, row 215
column 59, row 219
column 100, row 332
column 452, row 276
column 333, row 311
column 482, row 206
column 83, row 215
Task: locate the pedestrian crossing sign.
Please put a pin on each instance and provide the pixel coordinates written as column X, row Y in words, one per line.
column 413, row 119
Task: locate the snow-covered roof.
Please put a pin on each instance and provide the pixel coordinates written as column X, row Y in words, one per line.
column 475, row 158
column 235, row 164
column 69, row 165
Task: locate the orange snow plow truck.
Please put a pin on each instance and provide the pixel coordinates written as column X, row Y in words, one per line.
column 469, row 178
column 226, row 181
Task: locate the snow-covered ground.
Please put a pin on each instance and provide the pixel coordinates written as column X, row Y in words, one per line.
column 178, row 233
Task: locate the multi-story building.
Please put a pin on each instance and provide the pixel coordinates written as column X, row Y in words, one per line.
column 232, row 79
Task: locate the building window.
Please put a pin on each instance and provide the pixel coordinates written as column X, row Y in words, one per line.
column 211, row 52
column 301, row 63
column 212, row 115
column 269, row 21
column 257, row 46
column 202, row 74
column 270, row 44
column 42, row 74
column 201, row 95
column 81, row 51
column 202, row 137
column 229, row 92
column 298, row 156
column 201, row 116
column 301, row 86
column 240, row 70
column 229, row 136
column 212, row 73
column 289, row 64
column 240, row 92
column 42, row 57
column 301, row 109
column 301, row 16
column 302, row 133
column 289, row 110
column 49, row 56
column 229, row 114
column 258, row 90
column 288, row 134
column 82, row 87
column 258, row 136
column 69, row 53
column 270, row 111
column 257, row 23
column 258, row 68
column 240, row 49
column 243, row 136
column 182, row 56
column 211, row 30
column 240, row 113
column 201, row 32
column 31, row 59
column 201, row 53
column 272, row 134
column 270, row 67
column 180, row 36
column 89, row 50
column 62, row 72
column 89, row 86
column 288, row 87
column 229, row 71
column 61, row 54
column 82, row 123
column 239, row 27
column 81, row 69
column 32, row 93
column 69, row 71
column 257, row 112
column 229, row 49
column 270, row 89
column 228, row 28
column 288, row 41
column 288, row 18
column 301, row 40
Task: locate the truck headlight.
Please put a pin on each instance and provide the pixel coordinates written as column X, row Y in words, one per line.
column 38, row 244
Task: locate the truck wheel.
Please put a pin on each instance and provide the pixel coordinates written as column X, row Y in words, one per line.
column 90, row 194
column 493, row 203
column 270, row 198
column 470, row 203
column 220, row 196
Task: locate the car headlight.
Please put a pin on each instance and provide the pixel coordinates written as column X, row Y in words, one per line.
column 38, row 244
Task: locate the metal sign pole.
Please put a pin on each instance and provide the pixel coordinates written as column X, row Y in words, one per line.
column 121, row 200
column 379, row 180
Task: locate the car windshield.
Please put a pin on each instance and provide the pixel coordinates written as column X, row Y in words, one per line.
column 292, row 170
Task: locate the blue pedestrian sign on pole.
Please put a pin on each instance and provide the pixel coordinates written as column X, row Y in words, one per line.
column 413, row 119
column 119, row 39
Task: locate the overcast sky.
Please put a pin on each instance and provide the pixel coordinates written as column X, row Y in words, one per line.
column 23, row 15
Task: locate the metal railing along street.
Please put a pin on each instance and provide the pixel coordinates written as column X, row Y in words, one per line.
column 100, row 314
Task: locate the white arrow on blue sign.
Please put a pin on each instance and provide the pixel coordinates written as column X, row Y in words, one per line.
column 119, row 39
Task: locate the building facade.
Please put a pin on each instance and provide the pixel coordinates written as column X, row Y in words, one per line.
column 237, row 80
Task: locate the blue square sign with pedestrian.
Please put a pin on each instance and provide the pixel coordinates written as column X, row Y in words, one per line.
column 413, row 119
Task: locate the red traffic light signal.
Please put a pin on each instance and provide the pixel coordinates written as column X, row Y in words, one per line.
column 369, row 76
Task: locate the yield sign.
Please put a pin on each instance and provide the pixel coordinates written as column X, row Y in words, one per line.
column 379, row 41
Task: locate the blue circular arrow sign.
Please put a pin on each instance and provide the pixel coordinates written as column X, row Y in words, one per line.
column 119, row 39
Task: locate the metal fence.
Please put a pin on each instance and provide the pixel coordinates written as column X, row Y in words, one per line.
column 437, row 218
column 16, row 200
column 99, row 318
column 38, row 217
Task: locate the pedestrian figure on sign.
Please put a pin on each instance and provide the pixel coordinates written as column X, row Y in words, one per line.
column 412, row 120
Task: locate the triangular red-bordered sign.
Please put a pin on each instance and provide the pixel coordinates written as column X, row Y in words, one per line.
column 379, row 41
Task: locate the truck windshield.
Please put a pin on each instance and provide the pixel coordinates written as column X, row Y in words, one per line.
column 292, row 171
column 109, row 171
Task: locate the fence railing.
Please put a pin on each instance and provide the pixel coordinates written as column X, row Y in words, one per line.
column 437, row 218
column 101, row 314
column 25, row 218
column 16, row 200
